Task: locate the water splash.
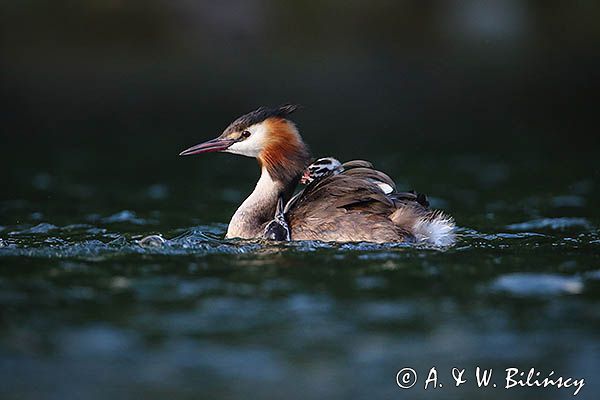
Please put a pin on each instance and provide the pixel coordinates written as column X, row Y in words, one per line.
column 93, row 242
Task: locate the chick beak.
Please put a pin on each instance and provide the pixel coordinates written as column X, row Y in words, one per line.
column 306, row 178
column 210, row 146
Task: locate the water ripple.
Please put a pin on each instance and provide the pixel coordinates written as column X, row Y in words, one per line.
column 532, row 284
column 125, row 216
column 551, row 223
column 92, row 242
column 37, row 229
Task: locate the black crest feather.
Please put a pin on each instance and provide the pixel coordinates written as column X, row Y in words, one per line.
column 259, row 115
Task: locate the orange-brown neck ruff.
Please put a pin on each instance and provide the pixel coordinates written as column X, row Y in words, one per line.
column 285, row 155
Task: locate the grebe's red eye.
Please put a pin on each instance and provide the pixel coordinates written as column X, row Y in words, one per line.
column 245, row 134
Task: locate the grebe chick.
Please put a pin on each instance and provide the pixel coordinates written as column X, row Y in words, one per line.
column 321, row 168
column 349, row 206
column 278, row 229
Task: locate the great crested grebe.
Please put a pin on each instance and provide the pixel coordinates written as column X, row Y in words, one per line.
column 357, row 203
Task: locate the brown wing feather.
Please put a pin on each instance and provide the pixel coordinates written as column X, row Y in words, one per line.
column 350, row 206
column 373, row 174
column 357, row 163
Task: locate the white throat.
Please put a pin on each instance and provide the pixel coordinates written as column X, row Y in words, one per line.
column 257, row 210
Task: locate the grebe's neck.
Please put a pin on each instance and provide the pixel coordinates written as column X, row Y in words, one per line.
column 282, row 161
column 259, row 208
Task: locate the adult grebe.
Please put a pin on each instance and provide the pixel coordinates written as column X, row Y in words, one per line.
column 352, row 205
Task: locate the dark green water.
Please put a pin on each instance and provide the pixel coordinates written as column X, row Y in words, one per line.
column 89, row 312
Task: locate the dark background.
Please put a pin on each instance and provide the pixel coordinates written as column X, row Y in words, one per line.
column 108, row 92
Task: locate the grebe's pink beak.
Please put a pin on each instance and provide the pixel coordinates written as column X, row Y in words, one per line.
column 213, row 145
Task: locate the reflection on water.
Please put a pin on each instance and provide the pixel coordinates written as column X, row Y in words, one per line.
column 538, row 284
